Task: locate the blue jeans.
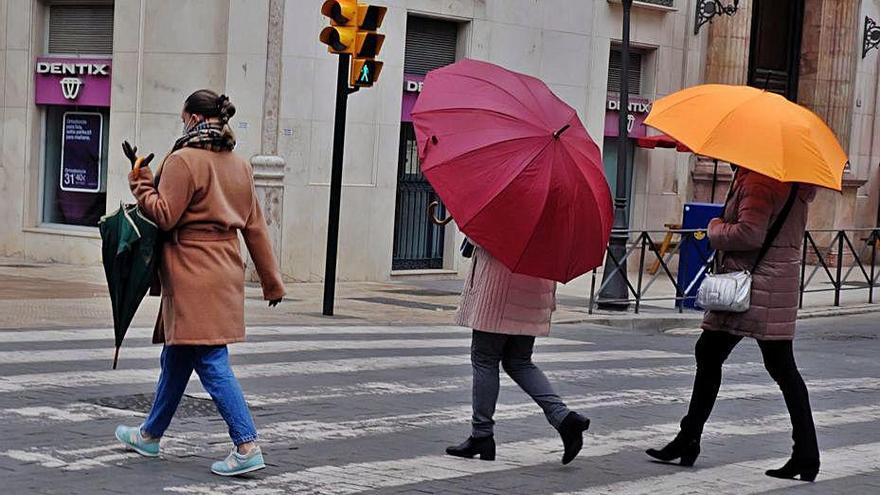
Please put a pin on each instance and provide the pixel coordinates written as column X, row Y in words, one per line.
column 211, row 363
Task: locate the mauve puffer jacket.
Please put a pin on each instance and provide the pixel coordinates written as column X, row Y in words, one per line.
column 754, row 205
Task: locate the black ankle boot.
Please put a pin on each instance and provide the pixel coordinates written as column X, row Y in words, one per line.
column 572, row 432
column 806, row 469
column 682, row 447
column 484, row 446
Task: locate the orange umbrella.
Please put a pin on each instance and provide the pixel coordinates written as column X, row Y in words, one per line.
column 754, row 129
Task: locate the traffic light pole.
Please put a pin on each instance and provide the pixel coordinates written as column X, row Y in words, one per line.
column 342, row 92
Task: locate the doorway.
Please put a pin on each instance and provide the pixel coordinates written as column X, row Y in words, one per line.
column 418, row 242
column 775, row 47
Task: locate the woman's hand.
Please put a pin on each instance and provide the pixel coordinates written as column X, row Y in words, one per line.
column 274, row 302
column 131, row 153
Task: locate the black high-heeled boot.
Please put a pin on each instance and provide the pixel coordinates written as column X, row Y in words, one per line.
column 685, row 448
column 572, row 432
column 484, row 446
column 806, row 469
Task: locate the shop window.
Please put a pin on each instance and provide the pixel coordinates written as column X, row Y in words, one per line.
column 73, row 88
column 638, row 110
column 74, row 184
column 609, row 161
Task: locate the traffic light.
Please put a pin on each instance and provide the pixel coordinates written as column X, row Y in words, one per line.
column 352, row 31
column 364, row 68
column 364, row 72
column 341, row 34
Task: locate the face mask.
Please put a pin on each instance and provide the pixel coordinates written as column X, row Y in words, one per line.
column 188, row 125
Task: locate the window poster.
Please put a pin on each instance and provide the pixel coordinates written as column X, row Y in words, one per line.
column 81, row 151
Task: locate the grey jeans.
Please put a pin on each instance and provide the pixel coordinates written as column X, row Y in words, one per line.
column 514, row 352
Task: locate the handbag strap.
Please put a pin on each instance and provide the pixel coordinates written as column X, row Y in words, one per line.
column 777, row 226
column 730, row 192
column 715, row 259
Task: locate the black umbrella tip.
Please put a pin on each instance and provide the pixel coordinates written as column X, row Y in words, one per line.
column 116, row 357
column 560, row 131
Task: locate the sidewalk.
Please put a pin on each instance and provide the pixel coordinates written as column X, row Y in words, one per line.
column 39, row 295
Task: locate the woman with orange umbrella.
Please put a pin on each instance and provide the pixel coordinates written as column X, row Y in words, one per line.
column 783, row 152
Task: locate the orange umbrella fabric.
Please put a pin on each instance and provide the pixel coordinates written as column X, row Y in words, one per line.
column 754, row 129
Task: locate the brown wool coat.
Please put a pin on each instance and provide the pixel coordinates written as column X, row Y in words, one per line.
column 205, row 198
column 756, row 202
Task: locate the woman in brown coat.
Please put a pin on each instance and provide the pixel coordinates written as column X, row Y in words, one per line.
column 755, row 202
column 204, row 199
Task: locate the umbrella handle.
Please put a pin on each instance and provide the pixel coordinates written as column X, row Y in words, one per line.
column 432, row 208
column 136, row 168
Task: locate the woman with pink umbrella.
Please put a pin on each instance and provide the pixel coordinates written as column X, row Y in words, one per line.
column 516, row 169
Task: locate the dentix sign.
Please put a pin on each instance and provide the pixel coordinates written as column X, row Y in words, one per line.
column 72, row 81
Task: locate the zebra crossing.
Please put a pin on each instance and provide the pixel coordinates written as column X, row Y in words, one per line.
column 347, row 410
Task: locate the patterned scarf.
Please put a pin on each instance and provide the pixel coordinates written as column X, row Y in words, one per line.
column 207, row 136
column 204, row 135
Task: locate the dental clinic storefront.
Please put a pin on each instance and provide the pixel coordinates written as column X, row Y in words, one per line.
column 74, row 95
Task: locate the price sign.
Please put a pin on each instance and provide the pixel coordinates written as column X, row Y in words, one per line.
column 81, row 151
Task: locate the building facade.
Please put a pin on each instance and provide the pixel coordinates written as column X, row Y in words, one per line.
column 78, row 77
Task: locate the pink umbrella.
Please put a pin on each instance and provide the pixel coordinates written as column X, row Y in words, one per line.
column 516, row 169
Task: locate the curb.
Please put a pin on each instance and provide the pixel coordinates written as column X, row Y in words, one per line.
column 683, row 323
column 833, row 311
column 639, row 323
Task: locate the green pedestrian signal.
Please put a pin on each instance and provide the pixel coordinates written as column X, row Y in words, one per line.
column 365, row 69
column 364, row 72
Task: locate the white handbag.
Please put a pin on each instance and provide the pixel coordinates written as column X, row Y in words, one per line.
column 732, row 292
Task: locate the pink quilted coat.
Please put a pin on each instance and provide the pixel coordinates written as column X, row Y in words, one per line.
column 756, row 202
column 498, row 301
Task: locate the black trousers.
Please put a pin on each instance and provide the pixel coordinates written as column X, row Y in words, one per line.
column 712, row 350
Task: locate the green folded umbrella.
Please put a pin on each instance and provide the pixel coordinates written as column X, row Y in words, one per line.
column 130, row 254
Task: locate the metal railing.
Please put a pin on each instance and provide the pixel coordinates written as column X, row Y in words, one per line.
column 840, row 247
column 848, row 261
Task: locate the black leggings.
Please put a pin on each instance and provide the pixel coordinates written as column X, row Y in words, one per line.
column 712, row 350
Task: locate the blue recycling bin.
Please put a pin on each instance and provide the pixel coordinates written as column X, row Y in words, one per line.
column 694, row 249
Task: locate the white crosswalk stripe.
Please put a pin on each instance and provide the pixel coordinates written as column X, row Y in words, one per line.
column 307, row 430
column 15, row 383
column 247, row 348
column 80, row 411
column 146, row 333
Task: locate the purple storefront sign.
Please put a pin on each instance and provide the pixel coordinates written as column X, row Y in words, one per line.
column 638, row 112
column 72, row 81
column 82, row 133
column 412, row 86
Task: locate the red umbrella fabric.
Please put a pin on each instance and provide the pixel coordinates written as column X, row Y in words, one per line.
column 515, row 167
